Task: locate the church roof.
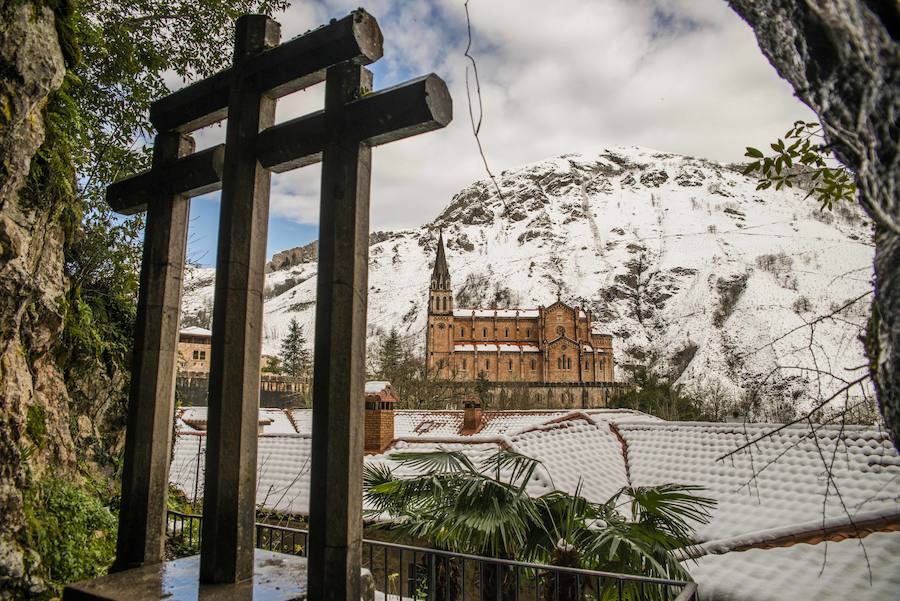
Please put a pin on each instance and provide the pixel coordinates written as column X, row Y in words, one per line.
column 483, row 347
column 532, row 313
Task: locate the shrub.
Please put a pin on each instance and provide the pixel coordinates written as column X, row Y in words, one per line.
column 775, row 263
column 802, row 305
column 730, row 292
column 71, row 529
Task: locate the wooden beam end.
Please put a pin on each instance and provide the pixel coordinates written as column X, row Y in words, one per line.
column 439, row 101
column 368, row 36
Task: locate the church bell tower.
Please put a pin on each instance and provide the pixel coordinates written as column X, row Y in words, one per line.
column 439, row 334
column 440, row 296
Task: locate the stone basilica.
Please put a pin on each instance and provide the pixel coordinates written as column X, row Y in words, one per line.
column 546, row 345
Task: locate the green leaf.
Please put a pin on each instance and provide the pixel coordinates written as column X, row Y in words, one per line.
column 753, row 153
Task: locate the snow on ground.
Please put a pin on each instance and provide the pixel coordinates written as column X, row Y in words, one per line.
column 669, row 252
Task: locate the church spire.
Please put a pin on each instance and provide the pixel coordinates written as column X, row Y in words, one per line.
column 440, row 277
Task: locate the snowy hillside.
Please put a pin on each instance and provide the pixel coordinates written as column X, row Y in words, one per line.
column 681, row 259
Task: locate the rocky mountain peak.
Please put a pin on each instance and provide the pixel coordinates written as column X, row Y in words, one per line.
column 669, row 253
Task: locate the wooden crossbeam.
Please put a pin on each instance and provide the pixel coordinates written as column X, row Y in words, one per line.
column 191, row 175
column 406, row 110
column 294, row 65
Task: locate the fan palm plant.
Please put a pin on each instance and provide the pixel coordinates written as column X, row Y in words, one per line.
column 484, row 508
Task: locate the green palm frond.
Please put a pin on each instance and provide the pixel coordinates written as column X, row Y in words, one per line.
column 672, row 508
column 486, row 510
column 519, row 468
column 440, row 461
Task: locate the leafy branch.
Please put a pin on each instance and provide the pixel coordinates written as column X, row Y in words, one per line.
column 799, row 159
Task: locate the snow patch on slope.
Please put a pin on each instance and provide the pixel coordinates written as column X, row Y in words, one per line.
column 679, row 258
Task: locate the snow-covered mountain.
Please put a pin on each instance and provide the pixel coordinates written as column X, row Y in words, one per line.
column 680, row 258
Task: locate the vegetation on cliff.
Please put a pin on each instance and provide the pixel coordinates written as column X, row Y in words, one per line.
column 75, row 118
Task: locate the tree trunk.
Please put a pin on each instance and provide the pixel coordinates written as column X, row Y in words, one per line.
column 843, row 60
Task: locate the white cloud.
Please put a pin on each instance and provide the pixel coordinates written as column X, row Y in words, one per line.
column 557, row 77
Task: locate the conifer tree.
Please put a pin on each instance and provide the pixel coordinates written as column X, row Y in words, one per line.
column 294, row 355
column 390, row 356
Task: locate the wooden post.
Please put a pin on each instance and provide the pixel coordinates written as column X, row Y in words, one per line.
column 229, row 502
column 335, row 529
column 148, row 438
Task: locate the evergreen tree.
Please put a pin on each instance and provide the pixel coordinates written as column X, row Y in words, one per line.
column 391, row 356
column 483, row 389
column 294, row 355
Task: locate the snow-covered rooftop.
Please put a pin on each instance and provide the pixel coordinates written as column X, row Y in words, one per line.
column 858, row 569
column 376, row 386
column 778, row 482
column 776, row 490
column 195, row 331
column 482, row 347
column 532, row 313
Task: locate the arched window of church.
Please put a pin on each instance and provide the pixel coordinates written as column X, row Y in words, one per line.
column 569, row 363
column 528, row 333
column 510, row 365
column 487, row 363
column 462, row 331
column 506, row 332
column 559, row 363
column 532, row 365
column 484, row 332
column 464, row 363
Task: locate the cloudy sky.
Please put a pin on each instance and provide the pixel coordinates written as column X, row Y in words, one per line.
column 557, row 77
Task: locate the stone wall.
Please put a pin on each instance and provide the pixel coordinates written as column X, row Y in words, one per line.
column 192, row 391
column 514, row 395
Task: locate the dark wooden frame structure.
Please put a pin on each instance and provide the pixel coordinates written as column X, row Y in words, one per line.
column 341, row 136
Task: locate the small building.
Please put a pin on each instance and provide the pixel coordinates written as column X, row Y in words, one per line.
column 194, row 344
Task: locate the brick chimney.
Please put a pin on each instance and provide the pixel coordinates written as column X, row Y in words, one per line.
column 471, row 416
column 379, row 426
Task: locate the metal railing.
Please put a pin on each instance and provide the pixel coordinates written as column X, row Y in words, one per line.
column 408, row 573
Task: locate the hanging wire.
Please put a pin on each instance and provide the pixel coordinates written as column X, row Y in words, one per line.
column 476, row 124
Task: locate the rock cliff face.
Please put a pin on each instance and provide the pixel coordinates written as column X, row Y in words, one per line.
column 34, row 417
column 681, row 259
column 843, row 59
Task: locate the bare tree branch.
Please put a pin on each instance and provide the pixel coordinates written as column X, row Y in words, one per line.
column 805, row 417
